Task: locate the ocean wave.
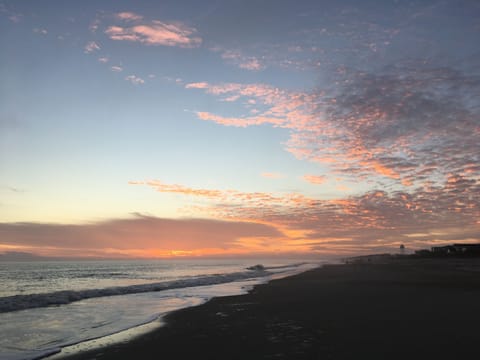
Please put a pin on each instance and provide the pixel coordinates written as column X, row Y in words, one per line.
column 286, row 267
column 102, row 275
column 22, row 302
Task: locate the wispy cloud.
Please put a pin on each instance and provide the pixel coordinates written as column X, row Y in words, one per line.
column 154, row 32
column 128, row 16
column 93, row 27
column 243, row 61
column 40, row 31
column 119, row 69
column 103, row 59
column 12, row 189
column 197, row 85
column 238, row 122
column 226, row 196
column 315, row 179
column 135, row 79
column 252, row 64
column 91, row 47
column 270, row 175
column 13, row 16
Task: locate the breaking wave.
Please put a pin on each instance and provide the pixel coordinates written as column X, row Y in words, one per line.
column 21, row 302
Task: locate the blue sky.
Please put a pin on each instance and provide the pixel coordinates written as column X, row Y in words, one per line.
column 339, row 126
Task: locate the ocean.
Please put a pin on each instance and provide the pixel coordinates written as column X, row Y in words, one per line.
column 46, row 306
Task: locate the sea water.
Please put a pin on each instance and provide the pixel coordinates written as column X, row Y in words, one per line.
column 45, row 306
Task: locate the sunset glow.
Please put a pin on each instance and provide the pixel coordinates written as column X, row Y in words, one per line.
column 205, row 128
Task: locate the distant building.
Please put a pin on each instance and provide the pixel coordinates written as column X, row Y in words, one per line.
column 457, row 249
column 467, row 248
column 442, row 250
column 369, row 259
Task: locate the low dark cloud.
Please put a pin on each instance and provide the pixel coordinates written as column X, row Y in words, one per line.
column 20, row 256
column 138, row 233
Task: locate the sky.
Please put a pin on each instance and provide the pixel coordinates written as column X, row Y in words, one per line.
column 238, row 127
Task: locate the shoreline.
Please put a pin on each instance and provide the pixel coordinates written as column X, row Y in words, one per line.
column 96, row 344
column 242, row 287
column 416, row 308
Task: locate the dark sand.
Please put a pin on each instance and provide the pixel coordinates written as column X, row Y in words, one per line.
column 409, row 309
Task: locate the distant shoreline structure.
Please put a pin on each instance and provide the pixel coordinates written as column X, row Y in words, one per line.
column 471, row 250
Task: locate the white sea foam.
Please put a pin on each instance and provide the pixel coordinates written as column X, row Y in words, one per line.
column 21, row 302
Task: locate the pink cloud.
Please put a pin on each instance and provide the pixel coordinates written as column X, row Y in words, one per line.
column 259, row 93
column 315, row 179
column 231, row 98
column 242, row 61
column 270, row 175
column 128, row 16
column 239, row 122
column 396, row 129
column 252, row 65
column 153, row 32
column 347, row 142
column 199, row 85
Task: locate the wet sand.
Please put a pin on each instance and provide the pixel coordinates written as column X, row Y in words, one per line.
column 408, row 309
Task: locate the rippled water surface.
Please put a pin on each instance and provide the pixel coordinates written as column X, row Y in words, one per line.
column 45, row 306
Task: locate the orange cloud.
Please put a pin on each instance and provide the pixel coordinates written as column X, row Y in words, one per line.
column 315, row 179
column 259, row 222
column 239, row 122
column 380, row 169
column 272, row 175
column 376, row 219
column 180, row 189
